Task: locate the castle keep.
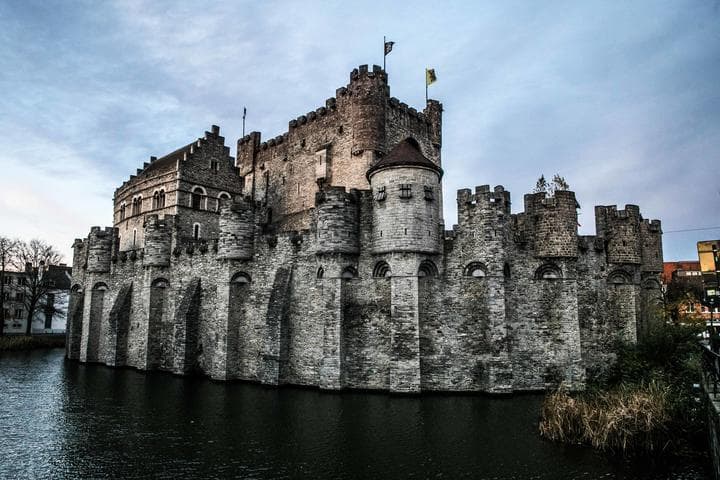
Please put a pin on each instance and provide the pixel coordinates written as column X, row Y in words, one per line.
column 320, row 257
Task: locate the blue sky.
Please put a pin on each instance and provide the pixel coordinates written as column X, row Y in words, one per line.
column 621, row 98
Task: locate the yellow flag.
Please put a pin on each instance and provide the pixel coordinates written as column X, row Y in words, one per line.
column 430, row 76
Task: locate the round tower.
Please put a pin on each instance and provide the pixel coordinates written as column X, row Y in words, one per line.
column 554, row 223
column 237, row 229
column 99, row 248
column 337, row 220
column 406, row 204
column 158, row 239
column 368, row 93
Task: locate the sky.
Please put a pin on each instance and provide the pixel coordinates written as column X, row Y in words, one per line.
column 620, row 98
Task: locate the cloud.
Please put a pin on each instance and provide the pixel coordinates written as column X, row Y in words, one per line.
column 621, row 99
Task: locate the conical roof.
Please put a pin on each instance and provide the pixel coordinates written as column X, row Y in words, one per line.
column 405, row 154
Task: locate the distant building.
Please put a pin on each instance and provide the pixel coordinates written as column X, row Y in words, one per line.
column 50, row 314
column 709, row 256
column 682, row 283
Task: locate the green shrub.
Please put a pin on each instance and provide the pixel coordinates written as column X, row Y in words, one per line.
column 643, row 403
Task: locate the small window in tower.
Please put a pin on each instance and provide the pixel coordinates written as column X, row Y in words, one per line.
column 214, row 165
column 380, row 194
column 196, row 231
column 429, row 194
column 405, row 190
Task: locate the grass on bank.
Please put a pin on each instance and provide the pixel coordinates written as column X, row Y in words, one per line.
column 644, row 403
column 15, row 343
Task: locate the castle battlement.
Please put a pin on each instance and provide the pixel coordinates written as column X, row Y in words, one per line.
column 322, row 259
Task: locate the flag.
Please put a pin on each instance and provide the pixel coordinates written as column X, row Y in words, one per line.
column 388, row 47
column 430, row 76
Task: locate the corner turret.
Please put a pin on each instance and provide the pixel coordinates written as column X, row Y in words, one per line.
column 554, row 223
column 158, row 240
column 406, row 203
column 337, row 220
column 237, row 228
column 368, row 93
column 99, row 249
column 620, row 230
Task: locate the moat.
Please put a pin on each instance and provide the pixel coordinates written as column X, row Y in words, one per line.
column 63, row 419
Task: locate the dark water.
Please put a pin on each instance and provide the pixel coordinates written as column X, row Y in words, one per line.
column 62, row 419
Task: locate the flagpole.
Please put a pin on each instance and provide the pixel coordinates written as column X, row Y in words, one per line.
column 384, row 55
column 245, row 112
column 426, row 86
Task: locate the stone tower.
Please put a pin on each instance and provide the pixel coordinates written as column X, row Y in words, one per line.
column 406, row 235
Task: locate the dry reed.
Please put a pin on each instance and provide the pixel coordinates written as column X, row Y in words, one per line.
column 627, row 419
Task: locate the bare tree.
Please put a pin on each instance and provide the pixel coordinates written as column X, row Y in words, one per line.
column 559, row 183
column 8, row 251
column 541, row 185
column 33, row 260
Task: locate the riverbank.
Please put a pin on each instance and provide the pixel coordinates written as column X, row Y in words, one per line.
column 12, row 343
column 646, row 403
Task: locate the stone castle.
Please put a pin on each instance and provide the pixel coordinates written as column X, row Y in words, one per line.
column 319, row 257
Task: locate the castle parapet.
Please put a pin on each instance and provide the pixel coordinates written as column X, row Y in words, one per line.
column 620, row 230
column 158, row 240
column 79, row 247
column 237, row 229
column 553, row 223
column 99, row 249
column 337, row 220
column 484, row 205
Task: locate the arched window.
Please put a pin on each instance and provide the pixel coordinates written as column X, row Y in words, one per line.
column 134, row 237
column 222, row 196
column 475, row 269
column 159, row 199
column 100, row 287
column 240, row 278
column 139, row 204
column 506, row 271
column 133, row 209
column 349, row 272
column 382, row 269
column 548, row 271
column 122, row 211
column 427, row 269
column 160, row 283
column 320, row 272
column 196, row 231
column 619, row 277
column 77, row 288
column 198, row 193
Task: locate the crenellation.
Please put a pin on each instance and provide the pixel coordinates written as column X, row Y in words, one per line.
column 319, row 257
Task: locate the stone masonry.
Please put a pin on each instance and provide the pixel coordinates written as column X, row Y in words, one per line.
column 320, row 257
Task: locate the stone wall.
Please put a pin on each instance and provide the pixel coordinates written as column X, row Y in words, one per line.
column 310, row 278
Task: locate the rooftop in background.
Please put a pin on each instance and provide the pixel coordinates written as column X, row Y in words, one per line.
column 669, row 268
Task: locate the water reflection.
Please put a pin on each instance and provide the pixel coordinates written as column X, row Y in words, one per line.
column 65, row 420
